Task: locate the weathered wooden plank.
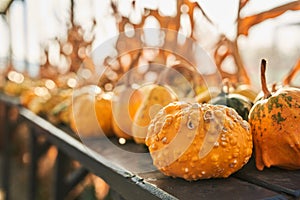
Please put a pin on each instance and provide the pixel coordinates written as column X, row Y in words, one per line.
column 9, row 99
column 230, row 188
column 280, row 180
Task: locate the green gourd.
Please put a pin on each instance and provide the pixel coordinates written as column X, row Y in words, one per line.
column 236, row 101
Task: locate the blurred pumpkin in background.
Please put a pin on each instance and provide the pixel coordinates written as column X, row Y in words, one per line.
column 155, row 99
column 90, row 105
column 104, row 112
column 246, row 90
column 125, row 103
column 207, row 94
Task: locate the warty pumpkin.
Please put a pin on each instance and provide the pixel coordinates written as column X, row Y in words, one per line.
column 199, row 141
column 275, row 124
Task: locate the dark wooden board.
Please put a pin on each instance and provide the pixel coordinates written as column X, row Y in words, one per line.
column 280, row 180
column 230, row 188
column 9, row 99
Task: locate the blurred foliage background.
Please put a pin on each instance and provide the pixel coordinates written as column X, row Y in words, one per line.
column 47, row 38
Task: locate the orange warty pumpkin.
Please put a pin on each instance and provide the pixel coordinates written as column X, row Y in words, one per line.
column 199, row 141
column 275, row 124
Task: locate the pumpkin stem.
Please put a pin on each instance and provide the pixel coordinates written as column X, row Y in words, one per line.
column 291, row 75
column 225, row 86
column 264, row 86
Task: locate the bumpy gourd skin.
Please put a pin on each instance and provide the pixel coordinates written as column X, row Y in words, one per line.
column 199, row 141
column 275, row 124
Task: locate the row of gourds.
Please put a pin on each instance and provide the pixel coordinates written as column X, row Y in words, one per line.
column 209, row 136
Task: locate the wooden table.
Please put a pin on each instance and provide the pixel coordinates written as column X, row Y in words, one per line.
column 129, row 171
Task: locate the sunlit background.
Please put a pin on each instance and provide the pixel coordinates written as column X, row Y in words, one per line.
column 30, row 27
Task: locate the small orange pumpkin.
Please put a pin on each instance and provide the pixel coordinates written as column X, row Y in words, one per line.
column 158, row 97
column 199, row 141
column 207, row 94
column 246, row 90
column 104, row 112
column 275, row 124
column 90, row 113
column 125, row 103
